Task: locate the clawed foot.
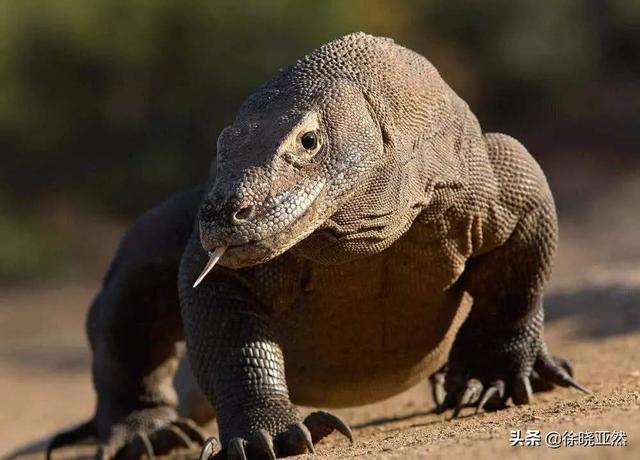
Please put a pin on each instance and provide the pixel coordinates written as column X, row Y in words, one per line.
column 455, row 387
column 177, row 434
column 298, row 438
column 147, row 432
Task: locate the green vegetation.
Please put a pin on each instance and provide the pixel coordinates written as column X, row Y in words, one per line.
column 28, row 249
column 114, row 104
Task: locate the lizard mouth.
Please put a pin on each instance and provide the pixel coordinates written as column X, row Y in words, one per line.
column 239, row 253
column 234, row 252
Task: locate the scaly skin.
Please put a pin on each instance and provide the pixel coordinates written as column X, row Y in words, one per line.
column 354, row 191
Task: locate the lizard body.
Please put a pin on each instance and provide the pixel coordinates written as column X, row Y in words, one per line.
column 370, row 233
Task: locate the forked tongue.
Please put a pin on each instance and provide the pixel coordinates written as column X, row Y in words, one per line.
column 214, row 257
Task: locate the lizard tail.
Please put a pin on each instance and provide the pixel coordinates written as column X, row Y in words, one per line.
column 71, row 436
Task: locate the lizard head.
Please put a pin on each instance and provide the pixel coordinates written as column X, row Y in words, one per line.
column 292, row 158
column 334, row 157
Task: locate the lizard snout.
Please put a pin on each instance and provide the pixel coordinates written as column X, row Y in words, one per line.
column 230, row 221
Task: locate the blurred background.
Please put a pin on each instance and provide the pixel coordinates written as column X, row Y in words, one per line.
column 109, row 106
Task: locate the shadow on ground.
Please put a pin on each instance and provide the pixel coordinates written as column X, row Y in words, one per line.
column 599, row 311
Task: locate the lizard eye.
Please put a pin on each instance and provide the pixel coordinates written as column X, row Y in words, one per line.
column 309, row 140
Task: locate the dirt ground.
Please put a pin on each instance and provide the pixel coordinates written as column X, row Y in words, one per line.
column 593, row 319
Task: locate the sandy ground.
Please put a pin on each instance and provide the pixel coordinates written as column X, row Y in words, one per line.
column 592, row 318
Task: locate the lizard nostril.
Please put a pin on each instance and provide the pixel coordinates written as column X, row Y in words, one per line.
column 242, row 214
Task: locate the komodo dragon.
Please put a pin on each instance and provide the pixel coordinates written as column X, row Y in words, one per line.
column 368, row 234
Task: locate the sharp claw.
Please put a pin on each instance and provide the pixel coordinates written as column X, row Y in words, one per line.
column 462, row 402
column 327, row 420
column 181, row 435
column 456, row 411
column 101, row 454
column 522, row 392
column 446, row 404
column 577, row 386
column 563, row 363
column 492, row 390
column 192, row 430
column 554, row 370
column 342, row 427
column 564, row 376
column 236, row 449
column 208, row 448
column 528, row 390
column 302, row 431
column 437, row 385
column 499, row 402
column 213, row 260
column 148, row 447
column 264, row 439
column 565, row 380
column 470, row 394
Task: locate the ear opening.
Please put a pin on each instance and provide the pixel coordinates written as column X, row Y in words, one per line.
column 387, row 139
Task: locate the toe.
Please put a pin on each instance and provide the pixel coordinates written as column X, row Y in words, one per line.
column 437, row 388
column 539, row 384
column 558, row 372
column 101, row 454
column 304, row 434
column 169, row 438
column 493, row 397
column 127, row 443
column 563, row 363
column 261, row 444
column 321, row 424
column 469, row 396
column 521, row 392
column 296, row 440
column 193, row 431
column 236, row 449
column 140, row 446
column 209, row 448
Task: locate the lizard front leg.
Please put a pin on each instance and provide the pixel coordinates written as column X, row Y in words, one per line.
column 500, row 347
column 238, row 362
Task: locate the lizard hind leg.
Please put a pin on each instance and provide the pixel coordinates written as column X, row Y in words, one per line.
column 133, row 326
column 548, row 372
column 499, row 352
column 509, row 371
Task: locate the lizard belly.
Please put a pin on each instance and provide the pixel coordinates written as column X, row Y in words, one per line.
column 369, row 329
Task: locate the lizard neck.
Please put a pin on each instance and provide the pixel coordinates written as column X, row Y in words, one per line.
column 397, row 191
